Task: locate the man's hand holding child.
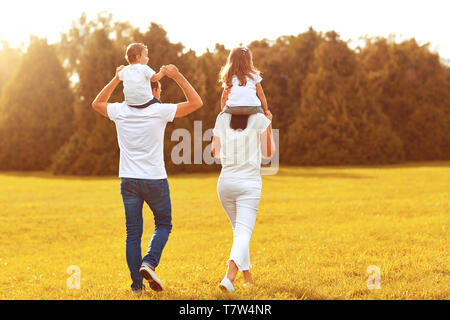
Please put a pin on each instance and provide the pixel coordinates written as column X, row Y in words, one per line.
column 171, row 71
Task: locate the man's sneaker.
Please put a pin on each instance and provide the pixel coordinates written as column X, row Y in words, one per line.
column 151, row 277
column 138, row 292
column 226, row 285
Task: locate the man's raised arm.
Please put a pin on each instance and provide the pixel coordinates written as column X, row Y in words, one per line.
column 193, row 102
column 100, row 103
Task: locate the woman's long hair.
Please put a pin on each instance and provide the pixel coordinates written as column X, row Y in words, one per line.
column 239, row 64
column 239, row 121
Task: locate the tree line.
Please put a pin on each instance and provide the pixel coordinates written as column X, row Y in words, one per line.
column 386, row 102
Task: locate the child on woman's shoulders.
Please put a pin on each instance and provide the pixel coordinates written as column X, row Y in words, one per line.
column 243, row 92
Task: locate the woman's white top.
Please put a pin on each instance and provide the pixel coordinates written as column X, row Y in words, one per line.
column 240, row 150
column 244, row 95
column 136, row 84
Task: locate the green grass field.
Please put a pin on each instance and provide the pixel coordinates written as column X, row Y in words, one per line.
column 317, row 231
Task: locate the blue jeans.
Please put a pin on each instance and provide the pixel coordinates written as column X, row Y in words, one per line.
column 157, row 196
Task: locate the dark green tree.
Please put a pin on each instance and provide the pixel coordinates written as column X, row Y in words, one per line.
column 36, row 108
column 413, row 88
column 339, row 121
column 93, row 149
column 285, row 65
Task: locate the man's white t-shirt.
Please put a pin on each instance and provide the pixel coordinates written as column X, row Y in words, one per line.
column 244, row 95
column 240, row 150
column 140, row 134
column 136, row 83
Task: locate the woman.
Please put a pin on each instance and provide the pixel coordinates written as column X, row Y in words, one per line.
column 240, row 141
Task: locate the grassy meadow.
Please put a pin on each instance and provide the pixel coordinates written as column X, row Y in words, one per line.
column 317, row 231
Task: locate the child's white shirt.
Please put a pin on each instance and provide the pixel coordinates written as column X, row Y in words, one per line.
column 136, row 83
column 244, row 95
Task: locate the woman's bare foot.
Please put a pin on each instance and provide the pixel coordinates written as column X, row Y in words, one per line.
column 232, row 271
column 247, row 276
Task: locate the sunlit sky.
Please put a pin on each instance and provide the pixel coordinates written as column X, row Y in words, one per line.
column 199, row 24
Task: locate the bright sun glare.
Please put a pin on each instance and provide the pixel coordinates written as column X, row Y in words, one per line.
column 200, row 24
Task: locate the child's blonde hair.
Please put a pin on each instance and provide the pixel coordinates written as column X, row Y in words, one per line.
column 134, row 50
column 239, row 64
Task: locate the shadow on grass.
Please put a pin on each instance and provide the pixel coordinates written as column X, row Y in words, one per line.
column 49, row 175
column 333, row 171
column 402, row 165
column 319, row 175
column 258, row 291
column 285, row 171
column 298, row 293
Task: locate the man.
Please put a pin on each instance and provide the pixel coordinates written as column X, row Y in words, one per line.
column 140, row 134
column 156, row 89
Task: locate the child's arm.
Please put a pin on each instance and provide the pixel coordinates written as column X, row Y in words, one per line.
column 158, row 76
column 224, row 98
column 262, row 97
column 118, row 69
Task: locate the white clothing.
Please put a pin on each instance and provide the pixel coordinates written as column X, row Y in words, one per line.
column 140, row 135
column 240, row 152
column 244, row 95
column 136, row 83
column 226, row 285
column 239, row 185
column 240, row 199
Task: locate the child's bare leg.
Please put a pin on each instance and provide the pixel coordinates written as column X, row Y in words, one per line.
column 232, row 271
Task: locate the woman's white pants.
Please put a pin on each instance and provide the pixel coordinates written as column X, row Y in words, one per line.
column 240, row 199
